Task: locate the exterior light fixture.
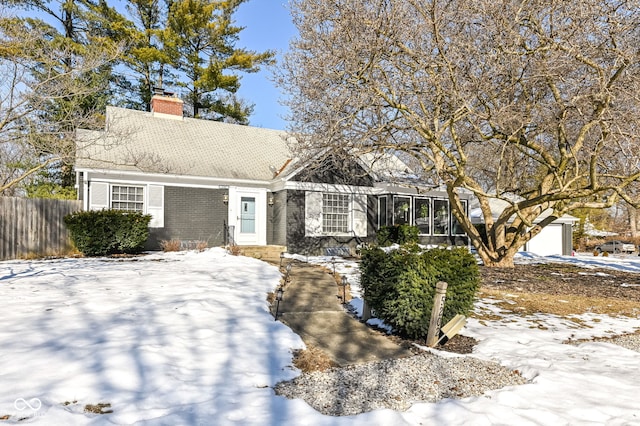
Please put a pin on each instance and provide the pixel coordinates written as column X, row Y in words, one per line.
column 225, row 198
column 279, row 294
column 270, row 200
column 345, row 283
column 281, row 258
column 333, row 262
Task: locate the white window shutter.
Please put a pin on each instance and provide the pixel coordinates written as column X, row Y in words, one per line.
column 360, row 215
column 312, row 214
column 98, row 196
column 155, row 205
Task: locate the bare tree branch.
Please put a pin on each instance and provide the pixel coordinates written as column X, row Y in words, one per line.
column 534, row 103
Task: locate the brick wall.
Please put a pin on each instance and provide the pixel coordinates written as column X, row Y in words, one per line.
column 372, row 216
column 193, row 214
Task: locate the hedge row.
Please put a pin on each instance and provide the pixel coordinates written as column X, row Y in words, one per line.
column 104, row 232
column 400, row 285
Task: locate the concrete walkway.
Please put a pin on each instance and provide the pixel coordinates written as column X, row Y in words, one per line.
column 311, row 306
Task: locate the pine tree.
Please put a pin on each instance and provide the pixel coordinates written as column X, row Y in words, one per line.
column 205, row 37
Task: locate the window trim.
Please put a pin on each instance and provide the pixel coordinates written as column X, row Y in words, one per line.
column 429, row 201
column 348, row 214
column 448, row 221
column 410, row 210
column 453, row 218
column 142, row 194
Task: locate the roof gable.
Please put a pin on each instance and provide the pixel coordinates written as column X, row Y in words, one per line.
column 334, row 170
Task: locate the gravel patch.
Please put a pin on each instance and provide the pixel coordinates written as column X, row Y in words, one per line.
column 397, row 383
column 628, row 341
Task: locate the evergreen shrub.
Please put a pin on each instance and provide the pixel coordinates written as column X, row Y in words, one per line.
column 400, row 285
column 397, row 234
column 104, row 232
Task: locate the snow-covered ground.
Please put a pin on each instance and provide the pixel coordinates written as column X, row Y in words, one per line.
column 187, row 338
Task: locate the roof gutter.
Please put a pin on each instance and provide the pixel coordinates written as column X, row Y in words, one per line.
column 203, row 180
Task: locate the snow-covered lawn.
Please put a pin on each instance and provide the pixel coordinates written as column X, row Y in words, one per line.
column 187, row 338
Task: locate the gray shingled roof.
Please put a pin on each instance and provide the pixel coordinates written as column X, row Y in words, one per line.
column 140, row 141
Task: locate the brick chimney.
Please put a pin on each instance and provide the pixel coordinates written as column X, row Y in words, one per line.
column 164, row 104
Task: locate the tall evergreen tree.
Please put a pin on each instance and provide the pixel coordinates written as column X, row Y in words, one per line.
column 148, row 53
column 205, row 38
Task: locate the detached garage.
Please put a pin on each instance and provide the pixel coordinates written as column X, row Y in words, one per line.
column 554, row 239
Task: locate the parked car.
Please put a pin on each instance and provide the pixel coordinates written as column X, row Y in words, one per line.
column 616, row 247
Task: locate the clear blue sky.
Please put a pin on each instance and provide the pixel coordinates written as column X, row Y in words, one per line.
column 268, row 26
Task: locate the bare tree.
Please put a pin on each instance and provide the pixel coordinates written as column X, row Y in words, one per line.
column 30, row 141
column 534, row 102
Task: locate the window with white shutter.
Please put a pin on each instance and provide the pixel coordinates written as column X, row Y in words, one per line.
column 155, row 206
column 98, row 195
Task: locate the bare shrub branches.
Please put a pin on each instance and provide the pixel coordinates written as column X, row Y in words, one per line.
column 43, row 101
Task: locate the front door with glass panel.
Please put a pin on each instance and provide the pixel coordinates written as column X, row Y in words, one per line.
column 248, row 209
column 247, row 215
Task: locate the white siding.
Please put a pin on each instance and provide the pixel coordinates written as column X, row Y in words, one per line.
column 548, row 242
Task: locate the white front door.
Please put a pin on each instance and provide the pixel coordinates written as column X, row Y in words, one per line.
column 248, row 209
column 248, row 215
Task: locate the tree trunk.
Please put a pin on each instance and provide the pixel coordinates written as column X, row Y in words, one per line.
column 500, row 263
column 490, row 259
column 633, row 221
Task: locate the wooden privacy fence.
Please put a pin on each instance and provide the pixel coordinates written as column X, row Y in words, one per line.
column 32, row 226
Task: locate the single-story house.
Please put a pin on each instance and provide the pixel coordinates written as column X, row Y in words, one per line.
column 230, row 184
column 555, row 238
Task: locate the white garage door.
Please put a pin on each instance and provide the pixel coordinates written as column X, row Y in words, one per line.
column 547, row 242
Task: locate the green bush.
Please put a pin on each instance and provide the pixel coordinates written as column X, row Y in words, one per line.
column 459, row 269
column 397, row 234
column 103, row 232
column 400, row 285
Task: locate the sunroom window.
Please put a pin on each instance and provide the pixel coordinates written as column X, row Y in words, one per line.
column 422, row 215
column 401, row 210
column 440, row 217
column 456, row 229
